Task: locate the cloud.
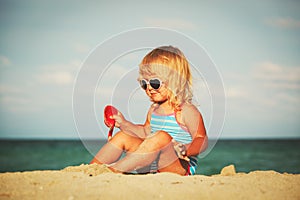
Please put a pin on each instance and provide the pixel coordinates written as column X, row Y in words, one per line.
column 288, row 98
column 47, row 88
column 58, row 74
column 236, row 92
column 265, row 87
column 276, row 76
column 9, row 89
column 17, row 103
column 277, row 86
column 236, row 85
column 58, row 78
column 4, row 61
column 170, row 23
column 286, row 22
column 16, row 99
column 82, row 48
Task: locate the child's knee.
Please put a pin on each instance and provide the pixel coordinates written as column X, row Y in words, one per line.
column 120, row 139
column 119, row 134
column 127, row 142
column 162, row 137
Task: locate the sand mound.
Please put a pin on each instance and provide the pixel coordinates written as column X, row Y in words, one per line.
column 228, row 171
column 91, row 170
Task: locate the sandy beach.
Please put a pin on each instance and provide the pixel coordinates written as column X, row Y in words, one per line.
column 97, row 182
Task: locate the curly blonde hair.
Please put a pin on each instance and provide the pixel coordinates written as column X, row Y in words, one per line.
column 170, row 65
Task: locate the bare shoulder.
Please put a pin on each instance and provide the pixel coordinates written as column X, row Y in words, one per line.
column 190, row 109
column 190, row 112
column 151, row 109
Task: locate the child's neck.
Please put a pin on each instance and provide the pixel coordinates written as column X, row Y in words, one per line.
column 165, row 107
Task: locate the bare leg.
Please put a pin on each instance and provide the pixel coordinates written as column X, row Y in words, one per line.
column 113, row 149
column 160, row 144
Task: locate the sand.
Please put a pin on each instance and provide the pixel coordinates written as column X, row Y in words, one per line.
column 97, row 182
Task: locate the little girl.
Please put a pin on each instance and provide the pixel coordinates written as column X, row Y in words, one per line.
column 173, row 134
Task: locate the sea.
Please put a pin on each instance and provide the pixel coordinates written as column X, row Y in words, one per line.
column 281, row 155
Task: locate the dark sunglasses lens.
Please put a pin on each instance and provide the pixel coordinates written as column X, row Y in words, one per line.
column 155, row 83
column 143, row 84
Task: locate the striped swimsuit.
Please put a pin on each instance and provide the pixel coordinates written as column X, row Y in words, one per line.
column 169, row 124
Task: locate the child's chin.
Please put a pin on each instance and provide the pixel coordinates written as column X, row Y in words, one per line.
column 158, row 101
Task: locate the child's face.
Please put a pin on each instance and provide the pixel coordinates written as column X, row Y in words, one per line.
column 156, row 95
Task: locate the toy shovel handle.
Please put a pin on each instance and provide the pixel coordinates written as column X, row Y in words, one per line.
column 110, row 132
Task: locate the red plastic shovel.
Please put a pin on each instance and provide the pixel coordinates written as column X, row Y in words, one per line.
column 109, row 111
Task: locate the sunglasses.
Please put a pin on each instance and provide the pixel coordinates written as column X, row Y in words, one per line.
column 155, row 83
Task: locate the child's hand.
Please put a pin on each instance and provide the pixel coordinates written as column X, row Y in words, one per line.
column 180, row 150
column 119, row 118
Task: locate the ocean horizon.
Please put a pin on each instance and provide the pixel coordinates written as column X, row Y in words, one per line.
column 281, row 155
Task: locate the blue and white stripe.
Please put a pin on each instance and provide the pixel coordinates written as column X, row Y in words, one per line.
column 169, row 124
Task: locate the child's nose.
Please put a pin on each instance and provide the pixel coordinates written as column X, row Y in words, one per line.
column 149, row 87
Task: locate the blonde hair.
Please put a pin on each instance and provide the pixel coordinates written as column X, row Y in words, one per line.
column 170, row 64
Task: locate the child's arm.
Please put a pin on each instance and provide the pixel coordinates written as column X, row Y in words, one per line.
column 139, row 130
column 193, row 121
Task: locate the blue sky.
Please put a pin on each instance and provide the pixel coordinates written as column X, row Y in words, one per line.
column 255, row 45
